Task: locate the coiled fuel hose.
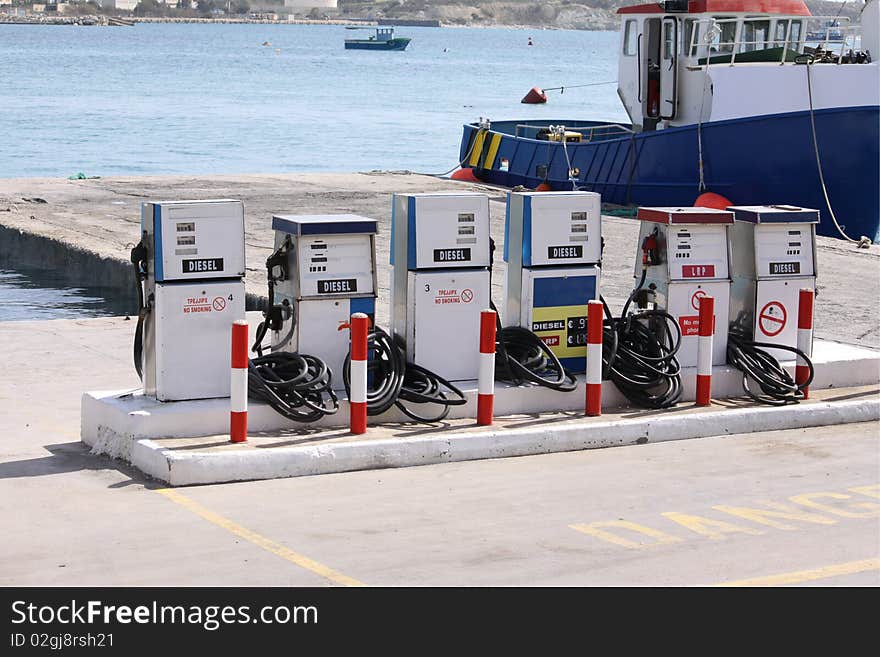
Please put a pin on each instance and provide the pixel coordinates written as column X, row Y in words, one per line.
column 638, row 354
column 297, row 386
column 521, row 356
column 391, row 381
column 760, row 369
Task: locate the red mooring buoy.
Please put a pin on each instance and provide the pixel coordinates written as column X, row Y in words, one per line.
column 712, row 200
column 535, row 96
column 465, row 173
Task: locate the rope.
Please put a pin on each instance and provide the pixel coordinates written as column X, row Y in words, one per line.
column 863, row 242
column 463, row 160
column 709, row 38
column 577, row 86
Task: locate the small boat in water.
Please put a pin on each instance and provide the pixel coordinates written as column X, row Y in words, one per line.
column 723, row 96
column 384, row 39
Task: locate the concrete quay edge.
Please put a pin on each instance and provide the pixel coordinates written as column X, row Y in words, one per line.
column 189, row 468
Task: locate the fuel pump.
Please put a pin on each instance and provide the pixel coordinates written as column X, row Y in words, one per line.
column 322, row 272
column 190, row 267
column 440, row 279
column 553, row 251
column 774, row 256
column 683, row 255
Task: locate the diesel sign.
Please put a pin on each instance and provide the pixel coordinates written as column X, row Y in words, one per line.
column 337, row 286
column 202, row 265
column 558, row 252
column 452, row 255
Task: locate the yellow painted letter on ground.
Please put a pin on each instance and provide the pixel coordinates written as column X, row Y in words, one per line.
column 871, row 491
column 714, row 529
column 593, row 529
column 872, row 509
column 763, row 516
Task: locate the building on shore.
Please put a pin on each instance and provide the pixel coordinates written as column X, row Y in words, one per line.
column 306, row 5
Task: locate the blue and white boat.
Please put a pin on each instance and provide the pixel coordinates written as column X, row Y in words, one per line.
column 723, row 96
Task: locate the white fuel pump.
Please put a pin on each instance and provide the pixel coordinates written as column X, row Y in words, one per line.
column 190, row 266
column 440, row 279
column 553, row 251
column 686, row 253
column 773, row 257
column 324, row 271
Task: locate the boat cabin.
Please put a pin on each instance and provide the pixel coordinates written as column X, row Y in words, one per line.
column 666, row 47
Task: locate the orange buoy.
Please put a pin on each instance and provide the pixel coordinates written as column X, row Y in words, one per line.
column 465, row 173
column 712, row 200
column 544, row 187
column 535, row 96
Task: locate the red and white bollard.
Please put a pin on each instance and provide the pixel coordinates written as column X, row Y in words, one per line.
column 238, row 390
column 595, row 317
column 486, row 376
column 804, row 337
column 357, row 402
column 704, row 350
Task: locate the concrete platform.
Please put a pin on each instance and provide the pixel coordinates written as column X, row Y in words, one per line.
column 187, row 442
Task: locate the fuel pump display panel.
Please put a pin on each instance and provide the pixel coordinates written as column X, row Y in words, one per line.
column 196, row 240
column 553, row 228
column 784, row 250
column 440, row 230
column 337, row 265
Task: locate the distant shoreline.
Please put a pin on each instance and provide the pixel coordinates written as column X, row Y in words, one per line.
column 107, row 21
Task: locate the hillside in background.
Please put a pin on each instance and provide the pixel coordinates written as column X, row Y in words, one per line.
column 559, row 14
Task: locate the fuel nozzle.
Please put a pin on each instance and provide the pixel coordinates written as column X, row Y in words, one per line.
column 651, row 249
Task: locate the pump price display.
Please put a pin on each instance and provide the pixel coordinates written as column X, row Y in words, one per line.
column 576, row 331
column 785, row 268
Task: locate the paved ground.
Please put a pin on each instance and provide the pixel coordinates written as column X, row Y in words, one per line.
column 791, row 507
column 803, row 504
column 102, row 217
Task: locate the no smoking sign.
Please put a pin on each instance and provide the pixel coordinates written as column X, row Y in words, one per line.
column 772, row 318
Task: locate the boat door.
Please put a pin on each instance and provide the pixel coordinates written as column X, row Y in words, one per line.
column 668, row 68
column 660, row 67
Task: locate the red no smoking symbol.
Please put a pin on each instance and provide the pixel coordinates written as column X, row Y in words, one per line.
column 467, row 296
column 695, row 300
column 219, row 303
column 772, row 319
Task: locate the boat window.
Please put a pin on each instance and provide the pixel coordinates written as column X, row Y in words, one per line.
column 795, row 35
column 779, row 34
column 688, row 34
column 629, row 38
column 668, row 40
column 755, row 35
column 724, row 41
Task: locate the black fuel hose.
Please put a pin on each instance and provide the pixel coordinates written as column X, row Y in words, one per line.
column 638, row 354
column 391, row 381
column 297, row 386
column 775, row 385
column 521, row 356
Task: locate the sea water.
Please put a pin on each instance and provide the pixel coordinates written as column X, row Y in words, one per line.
column 165, row 99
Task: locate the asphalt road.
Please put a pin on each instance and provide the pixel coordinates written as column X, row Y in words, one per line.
column 798, row 507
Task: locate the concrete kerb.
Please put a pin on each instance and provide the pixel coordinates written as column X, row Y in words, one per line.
column 179, row 469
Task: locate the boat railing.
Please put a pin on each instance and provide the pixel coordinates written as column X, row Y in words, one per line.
column 588, row 132
column 706, row 45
